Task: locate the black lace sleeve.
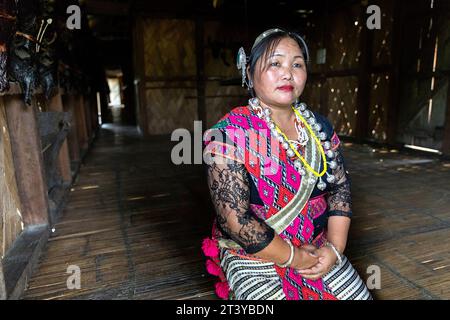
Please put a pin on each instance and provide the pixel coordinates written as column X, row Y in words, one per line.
column 339, row 195
column 230, row 193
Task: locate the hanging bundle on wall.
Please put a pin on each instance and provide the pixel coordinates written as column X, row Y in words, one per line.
column 45, row 48
column 7, row 28
column 22, row 54
column 41, row 46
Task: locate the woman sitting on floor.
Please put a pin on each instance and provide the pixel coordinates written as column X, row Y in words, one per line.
column 278, row 182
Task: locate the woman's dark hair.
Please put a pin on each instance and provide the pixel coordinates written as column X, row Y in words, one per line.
column 266, row 46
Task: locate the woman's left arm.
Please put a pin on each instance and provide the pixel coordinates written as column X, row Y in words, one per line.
column 339, row 205
column 339, row 212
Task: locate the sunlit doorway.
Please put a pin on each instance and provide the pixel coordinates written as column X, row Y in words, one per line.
column 115, row 85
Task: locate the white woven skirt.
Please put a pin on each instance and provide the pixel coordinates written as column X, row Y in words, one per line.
column 256, row 280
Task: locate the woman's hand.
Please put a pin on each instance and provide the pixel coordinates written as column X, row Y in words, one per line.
column 305, row 257
column 326, row 260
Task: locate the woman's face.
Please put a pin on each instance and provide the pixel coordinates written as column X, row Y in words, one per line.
column 280, row 80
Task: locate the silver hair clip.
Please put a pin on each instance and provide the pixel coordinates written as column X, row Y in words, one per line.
column 270, row 31
column 241, row 63
column 265, row 34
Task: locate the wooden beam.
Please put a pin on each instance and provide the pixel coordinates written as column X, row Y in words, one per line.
column 92, row 113
column 88, row 117
column 81, row 123
column 394, row 86
column 72, row 137
column 139, row 71
column 55, row 104
column 28, row 161
column 325, row 39
column 11, row 221
column 349, row 72
column 363, row 97
column 200, row 59
column 446, row 141
column 22, row 258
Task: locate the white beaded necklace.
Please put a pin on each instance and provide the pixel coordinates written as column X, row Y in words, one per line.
column 303, row 138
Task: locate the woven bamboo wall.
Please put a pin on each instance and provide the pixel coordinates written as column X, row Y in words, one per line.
column 380, row 82
column 169, row 54
column 169, row 47
column 382, row 39
column 221, row 45
column 10, row 217
column 170, row 105
column 171, row 73
column 378, row 108
column 311, row 95
column 340, row 36
column 342, row 111
column 221, row 99
column 171, row 85
column 342, row 48
column 425, row 58
column 315, row 35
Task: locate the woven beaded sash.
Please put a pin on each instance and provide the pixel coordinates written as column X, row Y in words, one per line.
column 284, row 193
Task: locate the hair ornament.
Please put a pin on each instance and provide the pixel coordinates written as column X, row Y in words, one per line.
column 241, row 63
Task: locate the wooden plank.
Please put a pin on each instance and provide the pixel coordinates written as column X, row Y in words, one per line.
column 143, row 244
column 101, row 250
column 28, row 162
column 22, row 258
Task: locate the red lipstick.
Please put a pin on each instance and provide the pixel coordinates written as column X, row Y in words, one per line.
column 286, row 88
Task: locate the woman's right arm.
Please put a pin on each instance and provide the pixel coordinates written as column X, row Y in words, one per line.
column 230, row 193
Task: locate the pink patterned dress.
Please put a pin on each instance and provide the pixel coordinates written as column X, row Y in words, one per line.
column 279, row 199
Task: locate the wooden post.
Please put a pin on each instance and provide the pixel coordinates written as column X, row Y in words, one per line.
column 324, row 108
column 84, row 123
column 88, row 118
column 11, row 221
column 81, row 123
column 72, row 137
column 446, row 141
column 325, row 40
column 139, row 71
column 200, row 59
column 93, row 111
column 363, row 97
column 394, row 86
column 28, row 161
column 56, row 104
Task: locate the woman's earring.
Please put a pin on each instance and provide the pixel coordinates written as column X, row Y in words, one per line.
column 241, row 63
column 250, row 83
